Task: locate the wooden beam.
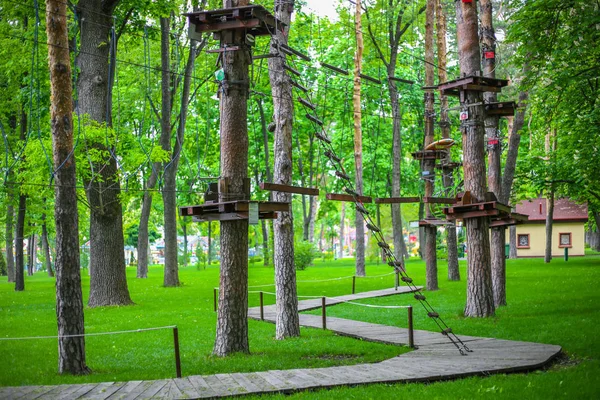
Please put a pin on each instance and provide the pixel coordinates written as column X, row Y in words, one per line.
column 276, row 187
column 397, row 200
column 439, row 200
column 347, row 197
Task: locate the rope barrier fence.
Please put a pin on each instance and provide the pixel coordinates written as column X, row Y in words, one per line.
column 172, row 327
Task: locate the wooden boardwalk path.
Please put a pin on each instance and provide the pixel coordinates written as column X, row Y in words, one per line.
column 435, row 359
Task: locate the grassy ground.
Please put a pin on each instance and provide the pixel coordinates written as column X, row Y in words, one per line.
column 555, row 303
column 149, row 355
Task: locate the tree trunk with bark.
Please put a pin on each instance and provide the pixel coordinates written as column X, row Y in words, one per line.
column 594, row 234
column 108, row 282
column 359, row 221
column 549, row 222
column 143, row 232
column 287, row 321
column 46, row 247
column 20, row 228
column 268, row 177
column 498, row 235
column 69, row 302
column 396, row 29
column 447, row 178
column 9, row 238
column 480, row 295
column 431, row 270
column 512, row 239
column 232, row 318
column 30, row 254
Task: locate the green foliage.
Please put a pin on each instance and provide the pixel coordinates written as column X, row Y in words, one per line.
column 304, row 255
column 3, row 269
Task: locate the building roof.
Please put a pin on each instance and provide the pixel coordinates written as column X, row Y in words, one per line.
column 565, row 210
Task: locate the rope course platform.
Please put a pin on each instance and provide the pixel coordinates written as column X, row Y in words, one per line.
column 435, row 359
column 502, row 109
column 233, row 210
column 347, row 197
column 255, row 18
column 430, row 154
column 474, row 82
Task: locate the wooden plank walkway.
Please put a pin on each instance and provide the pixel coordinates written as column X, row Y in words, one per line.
column 435, row 359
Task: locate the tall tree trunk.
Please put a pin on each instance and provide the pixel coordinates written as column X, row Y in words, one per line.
column 185, row 243
column 447, row 178
column 20, row 228
column 9, row 238
column 422, row 231
column 513, row 242
column 143, row 233
column 431, row 270
column 108, row 282
column 209, row 255
column 171, row 274
column 359, row 221
column 30, row 253
column 396, row 172
column 232, row 318
column 269, row 178
column 69, row 302
column 595, row 234
column 480, row 295
column 498, row 235
column 549, row 222
column 287, row 321
column 46, row 247
column 342, row 232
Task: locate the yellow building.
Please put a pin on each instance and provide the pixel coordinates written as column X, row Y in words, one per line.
column 568, row 229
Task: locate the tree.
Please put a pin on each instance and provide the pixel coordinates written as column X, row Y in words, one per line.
column 498, row 235
column 429, row 165
column 480, row 298
column 397, row 27
column 287, row 320
column 232, row 317
column 359, row 221
column 69, row 303
column 108, row 283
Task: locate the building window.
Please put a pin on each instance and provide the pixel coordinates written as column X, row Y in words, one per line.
column 523, row 241
column 564, row 240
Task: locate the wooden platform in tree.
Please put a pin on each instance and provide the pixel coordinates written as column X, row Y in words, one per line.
column 502, row 109
column 232, row 210
column 448, row 165
column 477, row 210
column 430, row 154
column 435, row 222
column 255, row 19
column 508, row 220
column 478, row 83
column 435, row 359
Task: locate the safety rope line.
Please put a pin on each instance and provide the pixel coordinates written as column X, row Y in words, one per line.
column 398, row 265
column 90, row 334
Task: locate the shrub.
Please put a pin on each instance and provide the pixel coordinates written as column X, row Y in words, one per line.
column 304, row 254
column 255, row 259
column 3, row 271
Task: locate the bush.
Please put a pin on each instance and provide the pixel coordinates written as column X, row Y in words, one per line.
column 327, row 255
column 304, row 255
column 3, row 271
column 255, row 259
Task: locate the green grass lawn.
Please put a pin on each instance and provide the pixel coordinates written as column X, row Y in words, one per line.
column 549, row 303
